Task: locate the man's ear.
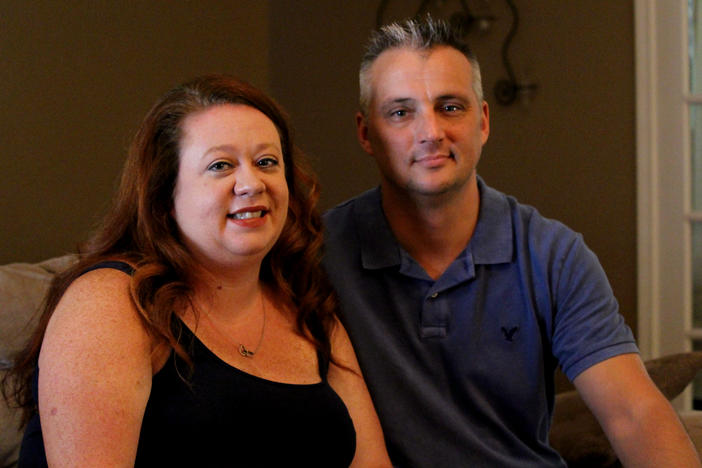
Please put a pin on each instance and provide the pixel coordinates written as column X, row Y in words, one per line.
column 362, row 133
column 484, row 122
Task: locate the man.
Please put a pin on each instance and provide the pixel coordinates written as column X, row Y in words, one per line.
column 460, row 301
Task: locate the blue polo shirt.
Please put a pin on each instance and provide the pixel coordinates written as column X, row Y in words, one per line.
column 461, row 369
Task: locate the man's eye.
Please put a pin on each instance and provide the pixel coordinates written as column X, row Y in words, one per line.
column 451, row 108
column 219, row 166
column 399, row 113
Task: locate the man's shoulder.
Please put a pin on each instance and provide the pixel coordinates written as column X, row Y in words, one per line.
column 343, row 213
column 339, row 212
column 528, row 225
column 494, row 200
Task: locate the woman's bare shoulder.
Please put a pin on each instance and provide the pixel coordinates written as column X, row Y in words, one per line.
column 94, row 371
column 96, row 309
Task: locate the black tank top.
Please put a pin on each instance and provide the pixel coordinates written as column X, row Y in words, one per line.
column 217, row 416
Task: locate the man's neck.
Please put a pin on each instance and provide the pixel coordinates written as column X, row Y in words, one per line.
column 433, row 229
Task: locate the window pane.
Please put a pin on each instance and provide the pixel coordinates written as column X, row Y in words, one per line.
column 697, row 274
column 696, row 154
column 695, row 45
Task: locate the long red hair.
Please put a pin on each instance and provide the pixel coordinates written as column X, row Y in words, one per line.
column 139, row 229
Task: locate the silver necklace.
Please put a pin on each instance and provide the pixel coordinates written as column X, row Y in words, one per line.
column 243, row 350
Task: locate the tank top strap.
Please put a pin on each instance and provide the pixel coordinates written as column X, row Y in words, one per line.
column 114, row 264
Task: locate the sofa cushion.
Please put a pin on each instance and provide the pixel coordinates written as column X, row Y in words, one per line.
column 22, row 290
column 578, row 437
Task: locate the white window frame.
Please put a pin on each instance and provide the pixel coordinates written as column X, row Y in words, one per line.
column 663, row 179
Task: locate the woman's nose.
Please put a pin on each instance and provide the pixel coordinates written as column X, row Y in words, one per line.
column 248, row 182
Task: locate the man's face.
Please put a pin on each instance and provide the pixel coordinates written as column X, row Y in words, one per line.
column 425, row 127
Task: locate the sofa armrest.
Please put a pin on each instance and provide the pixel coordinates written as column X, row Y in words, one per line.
column 22, row 290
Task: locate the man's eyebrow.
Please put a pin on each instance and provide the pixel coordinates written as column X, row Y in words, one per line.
column 393, row 102
column 447, row 97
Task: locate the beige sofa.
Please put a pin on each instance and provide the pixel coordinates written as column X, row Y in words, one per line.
column 22, row 290
column 575, row 433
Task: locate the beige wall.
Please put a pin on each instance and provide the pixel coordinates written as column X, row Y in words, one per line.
column 76, row 81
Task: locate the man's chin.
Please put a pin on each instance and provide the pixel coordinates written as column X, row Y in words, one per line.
column 437, row 188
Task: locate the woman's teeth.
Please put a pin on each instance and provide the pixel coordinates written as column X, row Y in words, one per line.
column 246, row 215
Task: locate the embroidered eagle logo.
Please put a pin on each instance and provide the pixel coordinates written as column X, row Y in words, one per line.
column 509, row 333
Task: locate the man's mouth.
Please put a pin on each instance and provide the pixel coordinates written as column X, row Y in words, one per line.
column 433, row 159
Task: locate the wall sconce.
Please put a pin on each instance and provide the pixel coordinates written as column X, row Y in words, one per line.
column 507, row 90
column 468, row 21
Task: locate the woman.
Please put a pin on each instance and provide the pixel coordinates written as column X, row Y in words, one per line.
column 197, row 328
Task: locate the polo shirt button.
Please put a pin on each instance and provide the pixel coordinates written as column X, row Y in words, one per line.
column 435, row 295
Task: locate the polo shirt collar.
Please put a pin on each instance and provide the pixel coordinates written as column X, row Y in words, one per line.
column 379, row 248
column 492, row 240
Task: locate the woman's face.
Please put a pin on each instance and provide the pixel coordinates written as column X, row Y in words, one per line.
column 231, row 195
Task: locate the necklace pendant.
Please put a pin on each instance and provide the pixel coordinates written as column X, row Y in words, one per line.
column 245, row 352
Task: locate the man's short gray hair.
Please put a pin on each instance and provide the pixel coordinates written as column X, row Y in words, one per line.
column 424, row 34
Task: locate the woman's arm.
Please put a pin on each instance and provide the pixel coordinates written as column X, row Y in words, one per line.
column 94, row 374
column 370, row 445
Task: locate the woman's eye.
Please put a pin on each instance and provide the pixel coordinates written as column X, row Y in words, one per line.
column 267, row 162
column 219, row 166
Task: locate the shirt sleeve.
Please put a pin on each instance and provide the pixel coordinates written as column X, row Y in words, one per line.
column 588, row 327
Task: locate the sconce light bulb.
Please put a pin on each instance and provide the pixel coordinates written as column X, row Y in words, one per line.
column 484, row 25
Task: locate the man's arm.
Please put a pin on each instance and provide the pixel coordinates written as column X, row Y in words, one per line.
column 640, row 423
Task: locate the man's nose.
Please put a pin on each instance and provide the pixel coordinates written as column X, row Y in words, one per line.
column 430, row 128
column 248, row 181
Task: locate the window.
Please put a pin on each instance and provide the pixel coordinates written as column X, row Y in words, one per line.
column 669, row 179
